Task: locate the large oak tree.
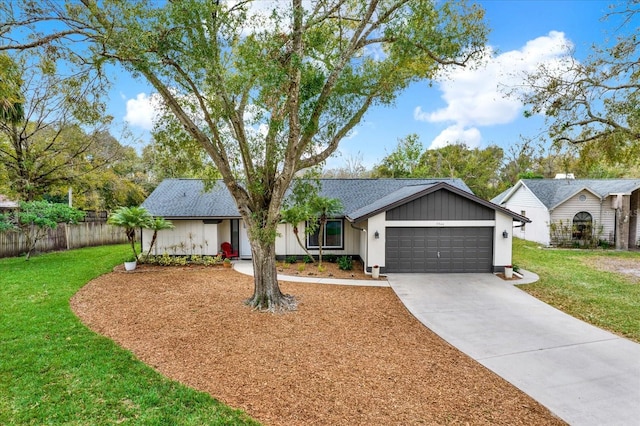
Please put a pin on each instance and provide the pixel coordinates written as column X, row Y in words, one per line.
column 266, row 94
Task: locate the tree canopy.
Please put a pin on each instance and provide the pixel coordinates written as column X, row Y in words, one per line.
column 595, row 101
column 52, row 136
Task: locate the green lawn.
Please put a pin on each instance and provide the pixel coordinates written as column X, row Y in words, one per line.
column 53, row 370
column 570, row 282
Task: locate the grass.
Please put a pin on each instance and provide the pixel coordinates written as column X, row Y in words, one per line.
column 570, row 282
column 53, row 370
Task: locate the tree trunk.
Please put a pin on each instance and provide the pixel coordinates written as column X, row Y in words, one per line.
column 153, row 241
column 131, row 236
column 266, row 294
column 323, row 221
column 297, row 234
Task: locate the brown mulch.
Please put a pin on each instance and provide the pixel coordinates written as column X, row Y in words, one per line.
column 349, row 355
column 328, row 270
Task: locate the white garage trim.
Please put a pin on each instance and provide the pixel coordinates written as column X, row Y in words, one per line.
column 440, row 223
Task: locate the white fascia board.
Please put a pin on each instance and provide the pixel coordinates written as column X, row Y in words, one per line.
column 439, row 223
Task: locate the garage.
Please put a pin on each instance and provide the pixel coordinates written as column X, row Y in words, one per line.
column 439, row 250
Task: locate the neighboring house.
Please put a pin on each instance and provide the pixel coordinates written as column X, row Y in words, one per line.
column 6, row 204
column 596, row 209
column 402, row 225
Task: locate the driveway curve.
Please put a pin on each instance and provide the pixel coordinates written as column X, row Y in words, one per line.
column 583, row 374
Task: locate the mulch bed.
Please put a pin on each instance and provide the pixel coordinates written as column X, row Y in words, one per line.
column 349, row 355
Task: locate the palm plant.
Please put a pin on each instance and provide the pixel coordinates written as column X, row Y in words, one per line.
column 157, row 224
column 324, row 208
column 130, row 218
column 293, row 216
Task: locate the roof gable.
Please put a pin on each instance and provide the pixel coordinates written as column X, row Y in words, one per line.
column 409, row 194
column 554, row 192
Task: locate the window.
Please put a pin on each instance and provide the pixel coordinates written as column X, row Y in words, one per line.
column 333, row 235
column 582, row 223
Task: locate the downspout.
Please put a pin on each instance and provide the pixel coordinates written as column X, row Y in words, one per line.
column 366, row 253
column 601, row 203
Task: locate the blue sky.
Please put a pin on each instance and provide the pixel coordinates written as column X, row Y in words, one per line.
column 468, row 108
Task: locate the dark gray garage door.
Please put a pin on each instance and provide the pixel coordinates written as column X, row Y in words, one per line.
column 439, row 250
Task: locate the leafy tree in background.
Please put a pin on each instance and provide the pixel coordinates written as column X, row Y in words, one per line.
column 174, row 153
column 353, row 168
column 596, row 101
column 11, row 100
column 403, row 161
column 34, row 219
column 44, row 144
column 478, row 168
column 266, row 95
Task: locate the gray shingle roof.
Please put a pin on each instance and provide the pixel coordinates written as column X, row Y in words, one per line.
column 552, row 192
column 185, row 198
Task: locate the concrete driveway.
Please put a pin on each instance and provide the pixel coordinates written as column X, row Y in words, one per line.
column 583, row 374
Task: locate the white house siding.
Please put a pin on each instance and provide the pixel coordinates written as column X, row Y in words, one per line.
column 601, row 212
column 187, row 237
column 502, row 246
column 524, row 201
column 287, row 245
column 608, row 219
column 377, row 246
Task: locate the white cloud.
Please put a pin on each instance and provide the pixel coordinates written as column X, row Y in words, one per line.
column 457, row 134
column 142, row 111
column 476, row 97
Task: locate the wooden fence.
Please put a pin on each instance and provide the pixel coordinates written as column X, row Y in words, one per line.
column 65, row 237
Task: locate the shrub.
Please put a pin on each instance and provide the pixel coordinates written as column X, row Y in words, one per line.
column 331, row 258
column 291, row 260
column 307, row 259
column 345, row 263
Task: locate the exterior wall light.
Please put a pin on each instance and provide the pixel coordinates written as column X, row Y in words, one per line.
column 376, row 235
column 505, row 234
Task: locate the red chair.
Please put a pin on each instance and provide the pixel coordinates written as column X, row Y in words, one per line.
column 229, row 252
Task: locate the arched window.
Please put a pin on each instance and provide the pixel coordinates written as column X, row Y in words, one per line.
column 582, row 225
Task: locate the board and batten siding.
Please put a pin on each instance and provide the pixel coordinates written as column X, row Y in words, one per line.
column 287, row 245
column 441, row 205
column 186, row 238
column 601, row 212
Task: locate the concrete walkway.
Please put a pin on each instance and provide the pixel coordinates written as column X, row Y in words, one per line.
column 583, row 374
column 246, row 267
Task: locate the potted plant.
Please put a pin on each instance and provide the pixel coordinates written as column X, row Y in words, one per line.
column 130, row 218
column 375, row 272
column 130, row 263
column 227, row 263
